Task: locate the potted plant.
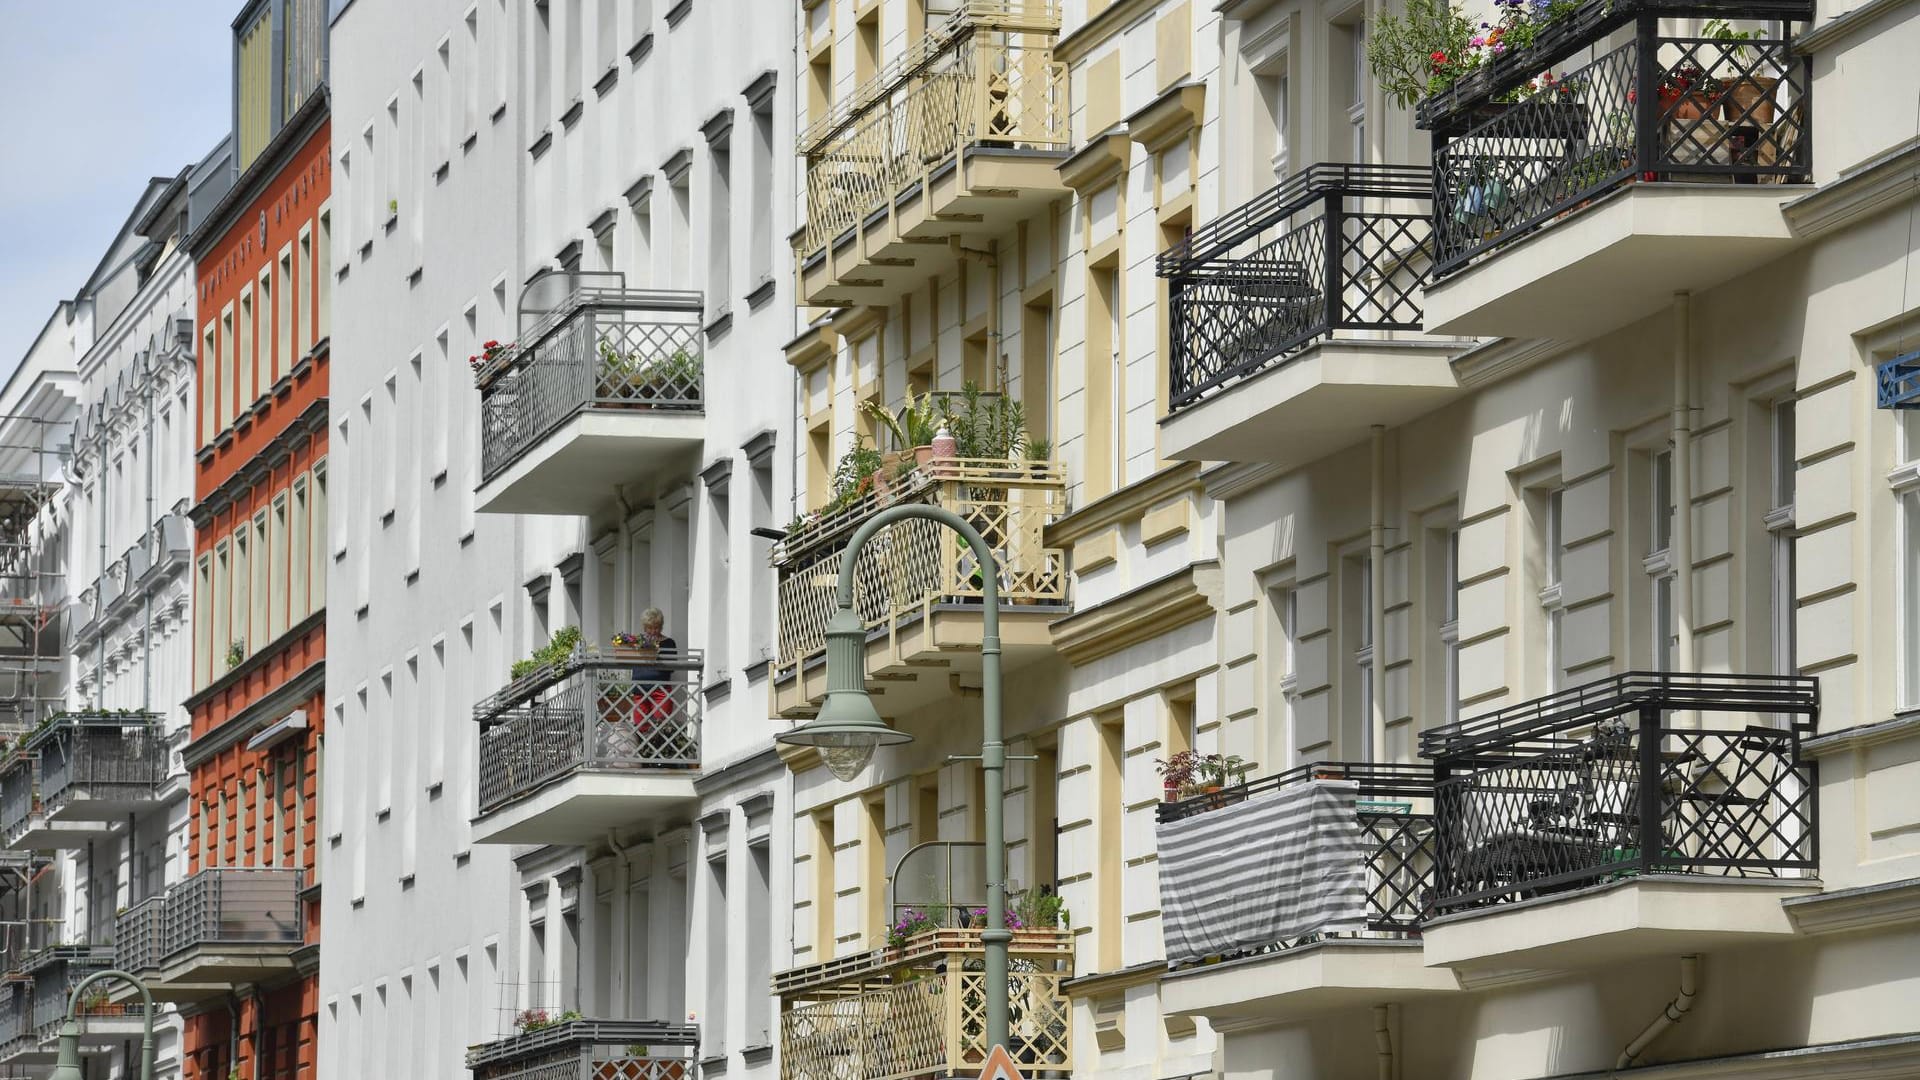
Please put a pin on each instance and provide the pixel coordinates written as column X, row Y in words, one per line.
column 1218, row 771
column 912, row 923
column 912, row 429
column 555, row 652
column 1177, row 775
column 236, row 654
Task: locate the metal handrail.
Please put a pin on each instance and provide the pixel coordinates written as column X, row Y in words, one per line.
column 1289, row 197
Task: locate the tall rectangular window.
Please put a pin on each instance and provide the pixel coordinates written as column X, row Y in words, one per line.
column 719, row 585
column 1282, row 668
column 1780, row 536
column 277, row 608
column 1553, row 549
column 541, row 52
column 825, row 887
column 246, row 360
column 299, row 568
column 244, row 641
column 318, row 584
column 1360, row 636
column 680, row 248
column 1449, row 611
column 323, row 277
column 1109, row 814
column 760, row 185
column 719, row 224
column 757, row 1027
column 210, row 422
column 203, row 633
column 1906, row 490
column 229, row 368
column 1104, row 452
column 299, row 308
column 1661, row 561
column 222, row 612
column 262, row 586
column 713, row 1025
column 283, row 316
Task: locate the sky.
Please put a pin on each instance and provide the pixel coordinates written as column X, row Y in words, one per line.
column 96, row 97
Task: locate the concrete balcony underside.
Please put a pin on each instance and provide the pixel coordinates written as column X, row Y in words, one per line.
column 1293, row 983
column 1653, row 915
column 917, row 234
column 1315, row 404
column 576, row 468
column 920, row 660
column 44, row 831
column 582, row 807
column 1615, row 262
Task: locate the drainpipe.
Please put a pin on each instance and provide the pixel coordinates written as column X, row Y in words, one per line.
column 1376, row 743
column 99, row 608
column 1675, row 1011
column 1682, row 545
column 1383, row 1042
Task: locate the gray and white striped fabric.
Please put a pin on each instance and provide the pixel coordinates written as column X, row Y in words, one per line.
column 1276, row 867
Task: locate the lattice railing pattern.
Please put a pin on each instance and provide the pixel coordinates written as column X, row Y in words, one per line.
column 929, row 1023
column 102, row 757
column 1626, row 797
column 607, row 354
column 19, row 793
column 234, row 905
column 136, row 935
column 1703, row 110
column 994, row 87
column 910, row 567
column 602, row 713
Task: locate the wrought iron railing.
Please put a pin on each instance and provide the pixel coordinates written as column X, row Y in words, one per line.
column 112, row 756
column 1391, row 834
column 1659, row 107
column 598, row 712
column 912, row 567
column 920, row 1010
column 1335, row 247
column 1604, row 781
column 617, row 349
column 986, row 77
column 57, row 974
column 138, row 933
column 234, row 905
column 590, row 1050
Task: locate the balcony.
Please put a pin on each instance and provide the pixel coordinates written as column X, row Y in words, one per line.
column 219, row 927
column 1645, row 813
column 101, row 766
column 19, row 1042
column 56, row 973
column 1660, row 166
column 920, row 1010
column 605, row 389
column 921, row 588
column 604, row 740
column 590, row 1050
column 958, row 139
column 1299, row 893
column 1291, row 315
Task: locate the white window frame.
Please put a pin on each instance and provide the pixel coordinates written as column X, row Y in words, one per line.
column 1904, row 480
column 1551, row 596
column 1450, row 627
column 1658, row 563
column 1783, row 465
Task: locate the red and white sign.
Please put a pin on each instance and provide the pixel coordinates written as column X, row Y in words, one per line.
column 1000, row 1066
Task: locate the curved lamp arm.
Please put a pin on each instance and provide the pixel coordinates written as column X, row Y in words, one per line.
column 993, row 749
column 70, row 1030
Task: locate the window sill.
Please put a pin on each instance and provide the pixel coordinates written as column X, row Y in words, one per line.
column 607, row 81
column 761, row 293
column 640, row 49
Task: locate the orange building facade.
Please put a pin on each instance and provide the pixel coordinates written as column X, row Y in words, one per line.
column 261, row 552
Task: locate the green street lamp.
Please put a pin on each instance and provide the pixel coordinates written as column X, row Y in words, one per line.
column 68, row 1066
column 849, row 728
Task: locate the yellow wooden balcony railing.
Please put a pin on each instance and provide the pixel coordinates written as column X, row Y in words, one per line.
column 985, row 77
column 920, row 1010
column 912, row 568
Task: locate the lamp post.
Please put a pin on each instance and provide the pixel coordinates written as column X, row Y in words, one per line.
column 68, row 1066
column 849, row 728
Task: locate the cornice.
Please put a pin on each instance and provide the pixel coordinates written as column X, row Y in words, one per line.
column 799, row 759
column 311, row 421
column 1881, row 182
column 814, row 346
column 1233, row 478
column 1844, row 26
column 305, row 121
column 309, row 681
column 1106, row 982
column 1869, row 907
column 1125, row 505
column 1863, row 1059
column 1099, row 163
column 1496, row 359
column 1862, row 736
column 1179, row 110
column 1153, row 610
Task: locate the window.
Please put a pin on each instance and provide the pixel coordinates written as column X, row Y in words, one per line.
column 243, row 636
column 209, row 382
column 542, row 51
column 1104, row 453
column 1109, row 814
column 229, row 368
column 1906, row 489
column 298, row 568
column 1448, row 608
column 245, row 360
column 284, row 314
column 1036, row 367
column 1659, row 562
column 1282, row 667
column 760, row 618
column 1358, row 589
column 760, row 191
column 757, row 1029
column 1553, row 548
column 1779, row 524
column 318, row 584
column 719, row 569
column 824, row 891
column 713, row 1025
column 222, row 614
column 266, row 361
column 680, row 268
column 203, row 631
column 606, row 40
column 1354, row 74
column 323, row 277
column 576, row 10
column 262, row 586
column 640, row 258
column 719, row 219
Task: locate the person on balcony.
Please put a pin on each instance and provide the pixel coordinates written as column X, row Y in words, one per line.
column 652, row 697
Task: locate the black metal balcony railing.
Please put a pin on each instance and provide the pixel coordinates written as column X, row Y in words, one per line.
column 1603, row 781
column 137, row 934
column 597, row 712
column 1320, row 252
column 1659, row 107
column 590, row 1050
column 605, row 348
column 57, row 973
column 234, row 905
column 19, row 793
column 1391, row 833
column 109, row 756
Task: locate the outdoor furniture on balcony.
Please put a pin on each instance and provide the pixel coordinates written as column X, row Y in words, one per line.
column 958, row 136
column 590, row 1050
column 1625, row 782
column 220, row 926
column 1655, row 167
column 604, row 388
column 1281, row 313
column 569, row 751
column 1299, row 892
column 919, row 1009
column 920, row 589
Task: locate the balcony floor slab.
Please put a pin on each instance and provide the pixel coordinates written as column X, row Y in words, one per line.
column 1640, row 916
column 1316, row 403
column 111, row 808
column 575, row 469
column 1615, row 262
column 581, row 807
column 1302, row 981
column 222, row 966
column 914, row 667
column 45, row 833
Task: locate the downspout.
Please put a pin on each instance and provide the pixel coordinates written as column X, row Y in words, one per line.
column 1675, row 1011
column 1682, row 546
column 99, row 608
column 1383, row 1042
column 1376, row 744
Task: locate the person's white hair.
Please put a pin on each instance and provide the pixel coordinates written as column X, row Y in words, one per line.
column 653, row 616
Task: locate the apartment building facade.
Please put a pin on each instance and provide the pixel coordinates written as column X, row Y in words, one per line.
column 572, row 418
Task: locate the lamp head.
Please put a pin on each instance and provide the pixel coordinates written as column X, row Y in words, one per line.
column 68, row 1065
column 849, row 728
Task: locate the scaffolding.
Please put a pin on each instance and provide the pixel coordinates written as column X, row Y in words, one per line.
column 34, row 452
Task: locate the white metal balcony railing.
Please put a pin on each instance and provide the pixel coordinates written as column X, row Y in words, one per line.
column 920, row 1009
column 589, row 1049
column 985, row 77
column 913, row 567
column 604, row 348
column 620, row 711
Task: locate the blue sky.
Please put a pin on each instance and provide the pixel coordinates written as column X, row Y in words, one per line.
column 96, row 96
